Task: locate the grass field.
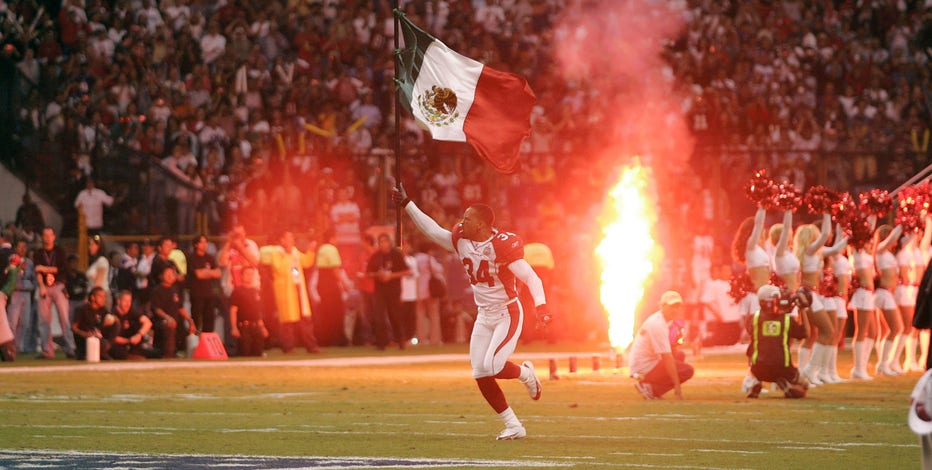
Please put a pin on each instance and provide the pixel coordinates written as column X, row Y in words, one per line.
column 420, row 407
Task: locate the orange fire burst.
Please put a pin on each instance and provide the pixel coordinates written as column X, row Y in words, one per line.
column 627, row 251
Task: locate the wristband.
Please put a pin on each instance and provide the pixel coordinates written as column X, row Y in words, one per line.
column 405, row 201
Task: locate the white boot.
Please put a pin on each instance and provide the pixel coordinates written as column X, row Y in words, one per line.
column 861, row 350
column 878, row 351
column 833, row 364
column 895, row 363
column 886, row 356
column 805, row 355
column 813, row 368
column 825, row 358
column 909, row 361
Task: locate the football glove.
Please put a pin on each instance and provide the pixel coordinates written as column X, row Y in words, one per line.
column 543, row 316
column 400, row 196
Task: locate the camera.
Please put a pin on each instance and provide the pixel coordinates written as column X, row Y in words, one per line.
column 780, row 301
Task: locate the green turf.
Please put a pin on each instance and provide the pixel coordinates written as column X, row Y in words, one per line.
column 434, row 410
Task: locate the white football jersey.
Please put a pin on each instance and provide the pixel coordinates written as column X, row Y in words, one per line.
column 486, row 264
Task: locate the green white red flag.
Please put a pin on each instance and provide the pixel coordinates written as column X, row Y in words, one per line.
column 462, row 100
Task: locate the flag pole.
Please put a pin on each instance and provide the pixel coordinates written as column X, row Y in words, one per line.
column 397, row 98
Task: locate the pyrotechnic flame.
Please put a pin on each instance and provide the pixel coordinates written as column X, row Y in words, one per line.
column 627, row 251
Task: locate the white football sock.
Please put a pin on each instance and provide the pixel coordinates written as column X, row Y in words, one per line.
column 509, row 417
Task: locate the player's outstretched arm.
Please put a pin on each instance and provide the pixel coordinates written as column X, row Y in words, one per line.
column 428, row 226
column 524, row 272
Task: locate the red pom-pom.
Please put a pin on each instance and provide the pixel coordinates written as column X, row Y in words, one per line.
column 776, row 280
column 787, row 197
column 741, row 285
column 820, row 200
column 859, row 232
column 877, row 202
column 761, row 189
column 828, row 285
column 910, row 208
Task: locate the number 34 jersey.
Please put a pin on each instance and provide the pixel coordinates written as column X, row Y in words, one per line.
column 486, row 264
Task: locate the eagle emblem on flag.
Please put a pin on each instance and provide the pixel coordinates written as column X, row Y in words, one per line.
column 438, row 106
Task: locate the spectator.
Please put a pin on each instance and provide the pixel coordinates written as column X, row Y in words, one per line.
column 246, row 316
column 329, row 286
column 92, row 201
column 428, row 320
column 291, row 295
column 52, row 271
column 98, row 271
column 8, row 276
column 203, row 285
column 168, row 314
column 144, row 273
column 22, row 317
column 387, row 266
column 237, row 253
column 87, row 323
column 29, row 216
column 126, row 329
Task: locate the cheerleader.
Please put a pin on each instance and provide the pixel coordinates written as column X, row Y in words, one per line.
column 747, row 249
column 837, row 262
column 809, row 241
column 862, row 300
column 886, row 239
column 785, row 262
column 905, row 296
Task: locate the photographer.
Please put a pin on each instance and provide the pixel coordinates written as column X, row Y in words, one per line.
column 654, row 361
column 771, row 329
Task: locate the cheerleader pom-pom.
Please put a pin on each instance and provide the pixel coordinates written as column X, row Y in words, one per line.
column 859, row 232
column 740, row 286
column 787, row 197
column 924, row 199
column 843, row 209
column 819, row 199
column 876, row 202
column 912, row 207
column 776, row 280
column 828, row 285
column 760, row 189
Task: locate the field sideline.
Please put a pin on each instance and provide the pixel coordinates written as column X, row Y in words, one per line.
column 419, row 408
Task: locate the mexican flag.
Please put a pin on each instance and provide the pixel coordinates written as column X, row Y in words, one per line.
column 459, row 99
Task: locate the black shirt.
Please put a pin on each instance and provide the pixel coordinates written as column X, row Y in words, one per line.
column 201, row 288
column 88, row 318
column 158, row 266
column 168, row 299
column 248, row 301
column 393, row 261
column 56, row 258
column 130, row 323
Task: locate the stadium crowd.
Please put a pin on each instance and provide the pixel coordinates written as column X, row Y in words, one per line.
column 214, row 116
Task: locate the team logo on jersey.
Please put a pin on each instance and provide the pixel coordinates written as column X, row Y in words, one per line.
column 771, row 328
column 487, row 252
column 438, row 106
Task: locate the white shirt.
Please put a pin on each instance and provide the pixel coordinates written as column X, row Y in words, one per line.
column 92, row 202
column 409, row 282
column 212, row 47
column 427, row 266
column 652, row 340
